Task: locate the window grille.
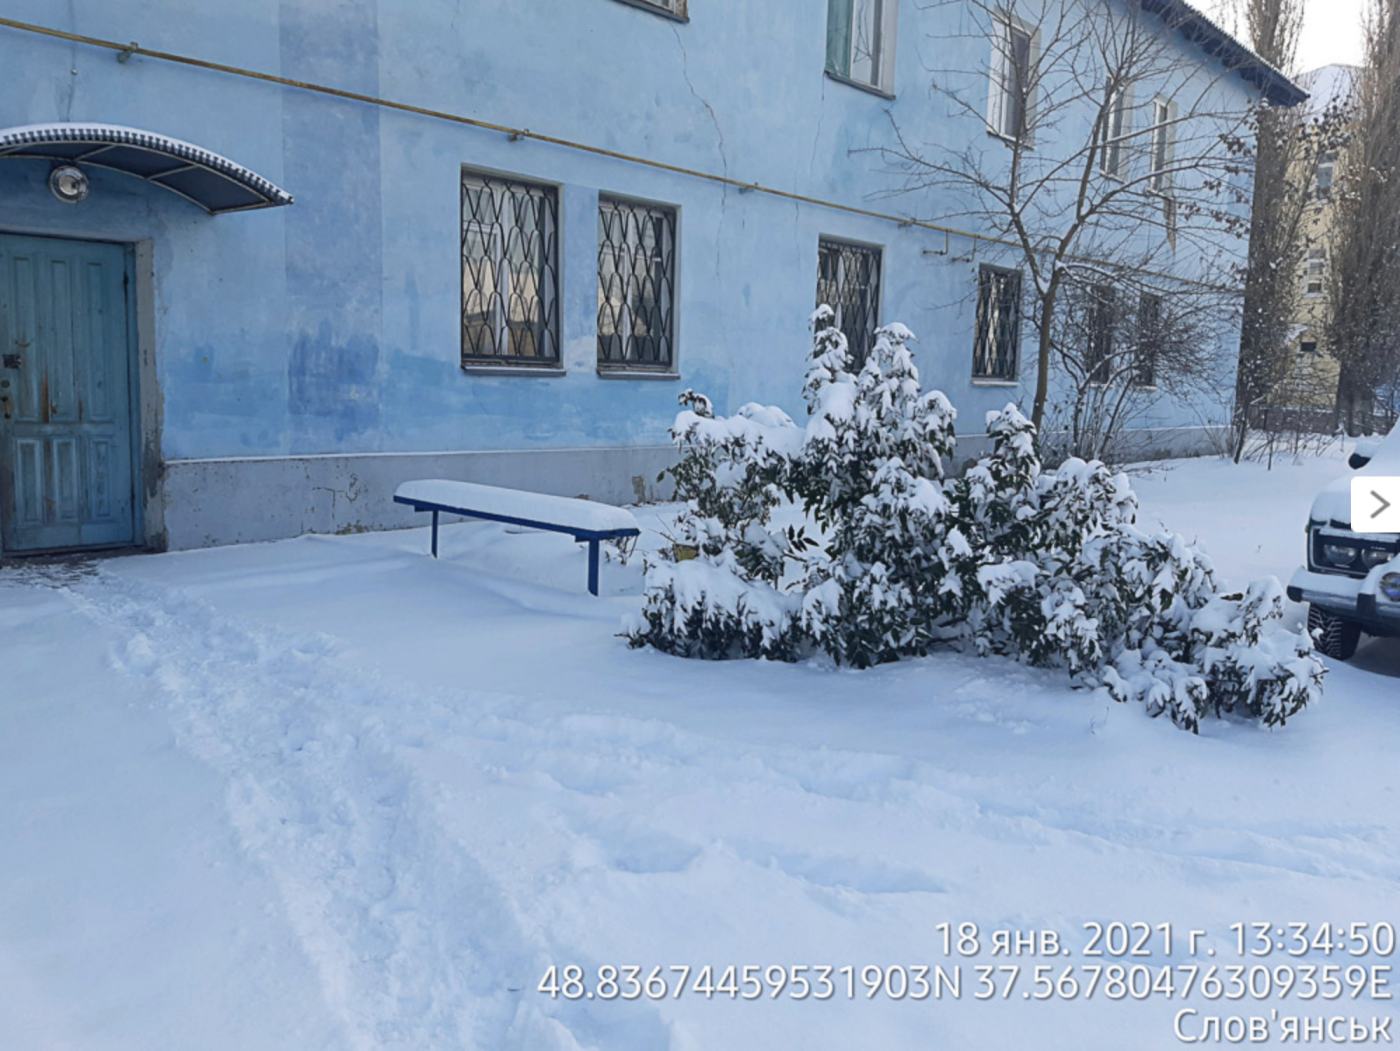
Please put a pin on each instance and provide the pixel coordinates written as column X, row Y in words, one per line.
column 1150, row 335
column 510, row 272
column 636, row 284
column 996, row 345
column 1098, row 352
column 848, row 281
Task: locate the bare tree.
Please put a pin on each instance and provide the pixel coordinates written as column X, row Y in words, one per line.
column 1111, row 150
column 1119, row 341
column 1293, row 419
column 1364, row 283
column 1288, row 144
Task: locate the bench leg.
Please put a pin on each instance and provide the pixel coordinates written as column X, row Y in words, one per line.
column 435, row 523
column 593, row 567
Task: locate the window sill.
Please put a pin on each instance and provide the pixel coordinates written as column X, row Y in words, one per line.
column 637, row 374
column 1011, row 140
column 475, row 369
column 665, row 12
column 987, row 381
column 858, row 85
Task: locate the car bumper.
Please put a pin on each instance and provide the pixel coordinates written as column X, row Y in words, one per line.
column 1347, row 597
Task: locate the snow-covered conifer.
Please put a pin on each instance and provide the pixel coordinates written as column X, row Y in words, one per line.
column 1043, row 566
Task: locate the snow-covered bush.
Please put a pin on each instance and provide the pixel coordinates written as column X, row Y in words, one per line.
column 731, row 477
column 725, row 602
column 1044, row 566
column 703, row 608
column 869, row 473
column 1063, row 577
column 1225, row 660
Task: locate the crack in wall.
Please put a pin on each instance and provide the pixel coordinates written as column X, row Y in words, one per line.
column 821, row 117
column 70, row 90
column 714, row 118
column 724, row 162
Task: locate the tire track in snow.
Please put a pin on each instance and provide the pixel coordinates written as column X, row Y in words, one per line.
column 415, row 947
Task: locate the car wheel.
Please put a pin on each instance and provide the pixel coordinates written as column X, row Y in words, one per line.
column 1335, row 636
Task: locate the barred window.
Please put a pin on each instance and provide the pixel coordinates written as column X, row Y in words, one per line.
column 510, row 272
column 1150, row 339
column 1098, row 353
column 996, row 346
column 848, row 281
column 636, row 284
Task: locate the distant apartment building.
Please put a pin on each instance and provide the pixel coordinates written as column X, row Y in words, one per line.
column 1313, row 383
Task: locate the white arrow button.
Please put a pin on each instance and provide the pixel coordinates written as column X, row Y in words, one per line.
column 1375, row 505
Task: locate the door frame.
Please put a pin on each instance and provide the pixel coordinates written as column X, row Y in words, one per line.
column 143, row 402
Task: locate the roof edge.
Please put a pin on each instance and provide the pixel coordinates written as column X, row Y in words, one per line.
column 1211, row 37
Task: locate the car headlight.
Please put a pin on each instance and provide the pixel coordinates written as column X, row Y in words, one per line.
column 1390, row 586
column 1372, row 557
column 1339, row 554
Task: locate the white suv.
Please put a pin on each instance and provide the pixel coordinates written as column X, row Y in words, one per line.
column 1351, row 582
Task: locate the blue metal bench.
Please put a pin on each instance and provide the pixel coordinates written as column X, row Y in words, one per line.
column 580, row 519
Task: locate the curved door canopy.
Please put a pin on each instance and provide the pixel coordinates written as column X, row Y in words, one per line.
column 211, row 181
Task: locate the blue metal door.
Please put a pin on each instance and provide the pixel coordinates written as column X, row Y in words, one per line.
column 66, row 464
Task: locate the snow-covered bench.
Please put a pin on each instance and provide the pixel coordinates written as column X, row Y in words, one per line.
column 581, row 519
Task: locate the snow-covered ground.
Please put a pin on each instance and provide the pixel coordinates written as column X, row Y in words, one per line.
column 329, row 793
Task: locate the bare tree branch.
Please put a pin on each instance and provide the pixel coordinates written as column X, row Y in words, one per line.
column 1113, row 155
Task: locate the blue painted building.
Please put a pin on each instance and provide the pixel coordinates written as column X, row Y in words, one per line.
column 325, row 246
